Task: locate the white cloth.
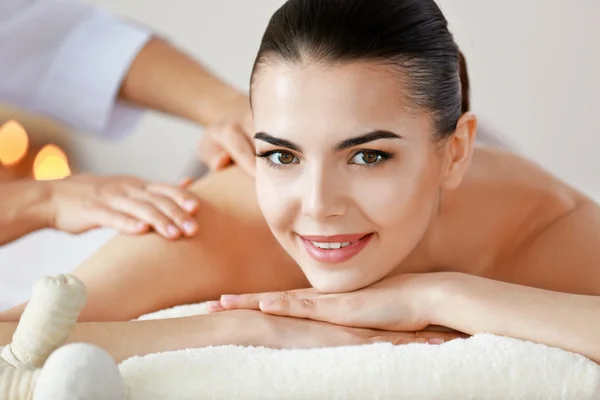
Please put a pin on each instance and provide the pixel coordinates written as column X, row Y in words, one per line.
column 482, row 367
column 66, row 59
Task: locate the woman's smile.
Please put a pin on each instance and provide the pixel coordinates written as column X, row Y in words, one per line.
column 335, row 249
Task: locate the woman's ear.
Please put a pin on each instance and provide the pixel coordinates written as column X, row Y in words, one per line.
column 459, row 151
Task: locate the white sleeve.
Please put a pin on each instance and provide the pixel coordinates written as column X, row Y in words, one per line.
column 67, row 59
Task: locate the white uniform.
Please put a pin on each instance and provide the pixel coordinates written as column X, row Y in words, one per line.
column 66, row 59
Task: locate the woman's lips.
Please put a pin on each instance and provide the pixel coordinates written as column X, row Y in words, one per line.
column 335, row 249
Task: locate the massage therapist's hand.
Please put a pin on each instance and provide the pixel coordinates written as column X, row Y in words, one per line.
column 83, row 202
column 229, row 141
column 400, row 303
column 253, row 328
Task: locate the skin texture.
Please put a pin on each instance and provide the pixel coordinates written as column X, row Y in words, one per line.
column 328, row 192
column 433, row 207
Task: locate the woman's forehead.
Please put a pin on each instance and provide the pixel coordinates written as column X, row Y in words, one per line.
column 342, row 97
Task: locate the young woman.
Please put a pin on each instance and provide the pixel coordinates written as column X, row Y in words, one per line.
column 369, row 189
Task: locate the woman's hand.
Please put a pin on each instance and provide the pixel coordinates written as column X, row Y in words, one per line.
column 400, row 303
column 83, row 202
column 253, row 328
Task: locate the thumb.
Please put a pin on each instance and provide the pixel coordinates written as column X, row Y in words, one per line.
column 235, row 142
column 325, row 309
column 220, row 161
column 211, row 153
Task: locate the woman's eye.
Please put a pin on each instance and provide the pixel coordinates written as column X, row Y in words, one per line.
column 282, row 158
column 366, row 157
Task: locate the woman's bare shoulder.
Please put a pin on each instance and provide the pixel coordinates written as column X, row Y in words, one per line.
column 515, row 179
column 508, row 201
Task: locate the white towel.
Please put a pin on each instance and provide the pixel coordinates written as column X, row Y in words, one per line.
column 482, row 367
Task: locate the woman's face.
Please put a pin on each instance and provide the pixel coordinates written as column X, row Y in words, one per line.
column 348, row 178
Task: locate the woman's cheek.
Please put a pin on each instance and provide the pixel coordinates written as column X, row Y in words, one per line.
column 381, row 197
column 274, row 202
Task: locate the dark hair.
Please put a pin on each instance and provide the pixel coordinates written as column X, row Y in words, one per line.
column 409, row 35
column 464, row 83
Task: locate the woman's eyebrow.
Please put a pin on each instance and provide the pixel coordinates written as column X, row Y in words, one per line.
column 366, row 138
column 265, row 137
column 345, row 144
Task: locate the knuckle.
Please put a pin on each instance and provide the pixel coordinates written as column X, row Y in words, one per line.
column 397, row 340
column 108, row 190
column 374, row 339
column 152, row 213
column 285, row 295
column 308, row 303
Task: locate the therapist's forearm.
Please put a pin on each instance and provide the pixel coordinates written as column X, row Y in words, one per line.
column 23, row 208
column 165, row 79
column 473, row 305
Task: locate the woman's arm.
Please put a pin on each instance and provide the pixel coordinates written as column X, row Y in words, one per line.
column 137, row 338
column 564, row 258
column 123, row 340
column 473, row 305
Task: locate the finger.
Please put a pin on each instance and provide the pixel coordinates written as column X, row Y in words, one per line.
column 209, row 151
column 183, row 197
column 103, row 216
column 221, row 162
column 214, row 306
column 235, row 142
column 325, row 308
column 185, row 182
column 399, row 340
column 252, row 300
column 441, row 335
column 182, row 220
column 145, row 212
column 417, row 337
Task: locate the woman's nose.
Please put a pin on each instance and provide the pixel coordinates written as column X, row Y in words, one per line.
column 322, row 195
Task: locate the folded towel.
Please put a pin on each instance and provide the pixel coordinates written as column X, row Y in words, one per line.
column 484, row 366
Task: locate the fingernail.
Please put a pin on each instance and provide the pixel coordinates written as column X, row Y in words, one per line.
column 213, row 306
column 172, row 231
column 189, row 227
column 190, row 205
column 140, row 226
column 268, row 305
column 229, row 298
column 436, row 341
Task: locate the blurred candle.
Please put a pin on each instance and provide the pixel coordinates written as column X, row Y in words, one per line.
column 51, row 163
column 14, row 143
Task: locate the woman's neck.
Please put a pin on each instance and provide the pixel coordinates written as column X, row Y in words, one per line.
column 452, row 242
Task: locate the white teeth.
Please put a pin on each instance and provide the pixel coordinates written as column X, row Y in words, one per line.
column 331, row 245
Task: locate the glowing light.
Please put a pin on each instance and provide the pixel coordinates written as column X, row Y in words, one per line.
column 14, row 143
column 51, row 163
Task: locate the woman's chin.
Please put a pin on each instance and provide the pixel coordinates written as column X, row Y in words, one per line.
column 338, row 281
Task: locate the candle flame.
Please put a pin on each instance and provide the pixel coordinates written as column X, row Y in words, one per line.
column 14, row 143
column 51, row 163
